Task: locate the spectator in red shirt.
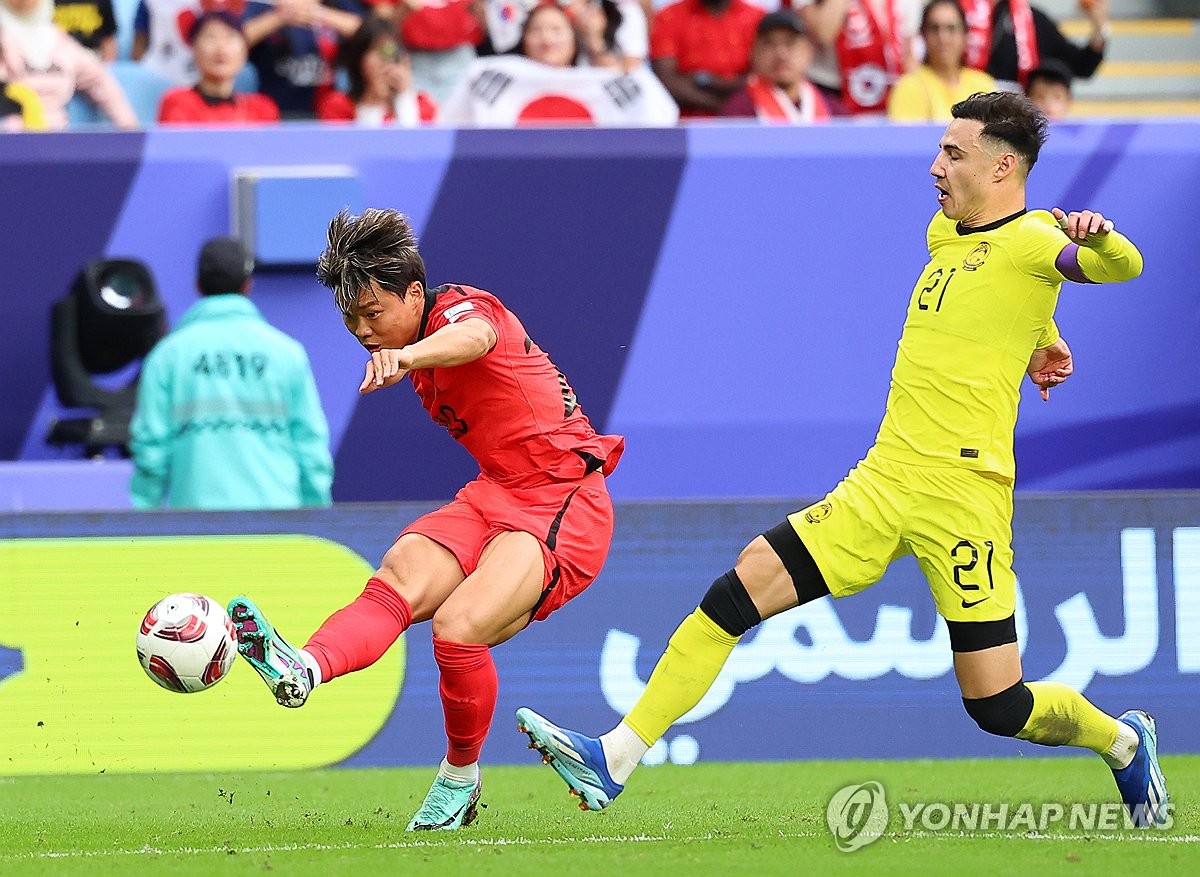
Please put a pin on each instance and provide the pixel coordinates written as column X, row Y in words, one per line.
column 381, row 82
column 700, row 49
column 219, row 50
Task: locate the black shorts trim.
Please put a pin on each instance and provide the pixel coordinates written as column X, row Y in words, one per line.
column 798, row 561
column 552, row 535
column 975, row 636
column 550, row 586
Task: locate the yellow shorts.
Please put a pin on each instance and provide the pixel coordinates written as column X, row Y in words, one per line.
column 956, row 522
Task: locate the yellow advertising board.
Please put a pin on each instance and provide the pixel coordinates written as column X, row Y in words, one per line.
column 74, row 699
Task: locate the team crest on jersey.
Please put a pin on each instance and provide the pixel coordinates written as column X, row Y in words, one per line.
column 818, row 513
column 977, row 257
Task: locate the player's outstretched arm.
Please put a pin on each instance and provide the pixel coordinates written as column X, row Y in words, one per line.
column 455, row 344
column 1050, row 366
column 1097, row 252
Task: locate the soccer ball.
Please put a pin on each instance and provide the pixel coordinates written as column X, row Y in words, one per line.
column 186, row 643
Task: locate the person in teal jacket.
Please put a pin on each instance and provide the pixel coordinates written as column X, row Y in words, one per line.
column 227, row 412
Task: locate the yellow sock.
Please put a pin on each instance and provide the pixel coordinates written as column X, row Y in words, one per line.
column 1063, row 717
column 694, row 656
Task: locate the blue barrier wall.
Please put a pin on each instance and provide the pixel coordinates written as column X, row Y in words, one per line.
column 727, row 297
column 1110, row 603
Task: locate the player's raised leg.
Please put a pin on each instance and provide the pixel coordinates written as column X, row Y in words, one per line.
column 773, row 573
column 415, row 577
column 492, row 604
column 1053, row 714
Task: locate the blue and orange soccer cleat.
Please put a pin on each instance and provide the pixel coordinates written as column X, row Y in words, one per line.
column 1143, row 788
column 579, row 760
column 269, row 654
column 448, row 806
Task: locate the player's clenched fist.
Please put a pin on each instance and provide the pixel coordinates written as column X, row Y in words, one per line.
column 384, row 368
column 1081, row 225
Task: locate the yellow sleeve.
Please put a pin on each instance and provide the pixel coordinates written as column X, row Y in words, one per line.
column 1041, row 240
column 1110, row 258
column 1050, row 335
column 907, row 102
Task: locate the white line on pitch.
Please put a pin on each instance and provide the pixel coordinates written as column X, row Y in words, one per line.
column 1130, row 837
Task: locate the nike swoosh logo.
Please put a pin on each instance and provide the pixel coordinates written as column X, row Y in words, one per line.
column 454, row 816
column 967, row 605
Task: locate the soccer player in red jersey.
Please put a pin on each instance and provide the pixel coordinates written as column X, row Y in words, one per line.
column 531, row 532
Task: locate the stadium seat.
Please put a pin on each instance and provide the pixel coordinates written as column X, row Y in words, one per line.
column 143, row 87
column 247, row 80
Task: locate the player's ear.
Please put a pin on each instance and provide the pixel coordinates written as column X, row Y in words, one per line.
column 416, row 288
column 1006, row 164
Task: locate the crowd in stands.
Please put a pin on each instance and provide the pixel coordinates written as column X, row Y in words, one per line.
column 510, row 62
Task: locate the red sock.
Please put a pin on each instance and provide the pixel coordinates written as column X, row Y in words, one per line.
column 358, row 635
column 468, row 690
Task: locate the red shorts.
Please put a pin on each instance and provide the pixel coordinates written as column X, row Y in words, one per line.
column 572, row 521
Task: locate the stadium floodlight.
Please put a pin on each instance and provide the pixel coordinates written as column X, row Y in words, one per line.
column 110, row 319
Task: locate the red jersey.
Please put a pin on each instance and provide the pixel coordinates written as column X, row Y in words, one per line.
column 702, row 40
column 187, row 106
column 511, row 409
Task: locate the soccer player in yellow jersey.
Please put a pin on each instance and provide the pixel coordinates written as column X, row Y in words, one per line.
column 938, row 481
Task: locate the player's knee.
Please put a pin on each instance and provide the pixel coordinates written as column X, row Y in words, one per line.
column 1002, row 714
column 798, row 561
column 729, row 605
column 460, row 627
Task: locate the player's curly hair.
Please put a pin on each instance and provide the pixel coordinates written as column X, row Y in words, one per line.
column 1008, row 117
column 375, row 245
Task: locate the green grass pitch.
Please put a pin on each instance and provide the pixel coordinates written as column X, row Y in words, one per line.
column 710, row 819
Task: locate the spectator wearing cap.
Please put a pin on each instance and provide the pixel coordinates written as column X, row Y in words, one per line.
column 219, row 50
column 926, row 93
column 227, row 413
column 36, row 52
column 700, row 49
column 1049, row 89
column 1011, row 38
column 778, row 90
column 381, row 91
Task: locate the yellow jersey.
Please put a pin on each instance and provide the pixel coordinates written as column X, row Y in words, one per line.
column 983, row 304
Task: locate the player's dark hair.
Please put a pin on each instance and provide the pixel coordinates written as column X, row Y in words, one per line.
column 375, row 245
column 1008, row 117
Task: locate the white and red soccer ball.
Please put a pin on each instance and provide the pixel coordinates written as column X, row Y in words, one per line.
column 186, row 643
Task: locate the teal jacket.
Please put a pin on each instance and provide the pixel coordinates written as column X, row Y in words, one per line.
column 228, row 416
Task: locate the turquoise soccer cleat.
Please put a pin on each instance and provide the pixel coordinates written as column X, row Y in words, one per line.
column 448, row 806
column 269, row 654
column 1143, row 787
column 579, row 760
